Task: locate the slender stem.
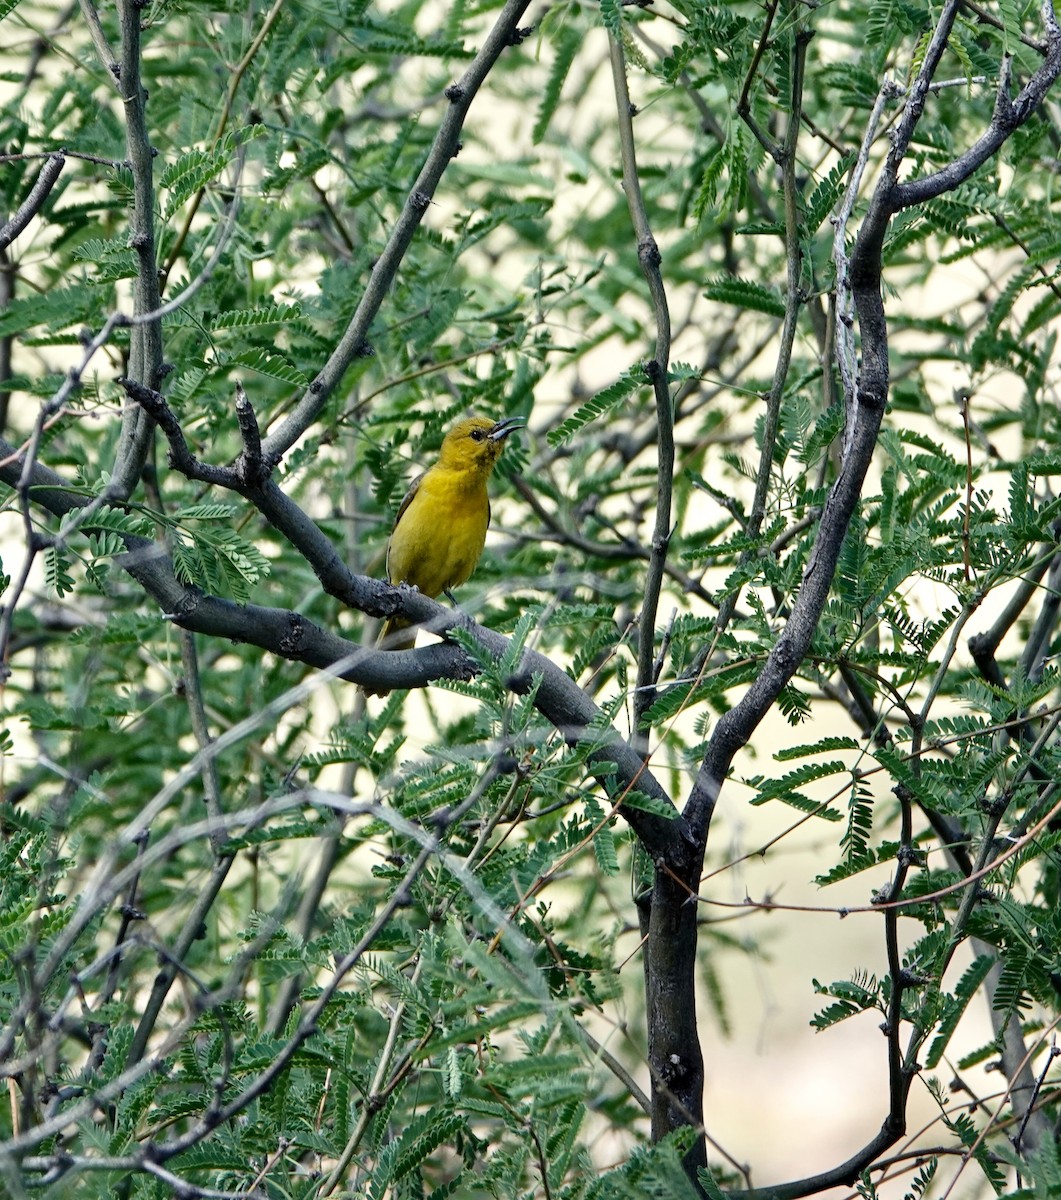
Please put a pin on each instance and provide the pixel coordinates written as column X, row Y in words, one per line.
column 145, row 344
column 34, row 202
column 650, row 258
column 744, row 107
column 193, row 694
column 374, row 1096
column 844, row 311
column 107, row 57
column 795, row 297
column 191, row 929
column 8, row 275
column 785, row 155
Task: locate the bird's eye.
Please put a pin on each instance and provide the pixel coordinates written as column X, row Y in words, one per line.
column 478, row 435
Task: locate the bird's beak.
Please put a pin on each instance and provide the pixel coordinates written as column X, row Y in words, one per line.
column 503, row 428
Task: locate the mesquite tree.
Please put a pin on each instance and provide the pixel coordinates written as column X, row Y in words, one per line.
column 263, row 935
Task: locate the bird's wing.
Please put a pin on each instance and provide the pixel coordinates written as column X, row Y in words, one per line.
column 406, row 501
column 408, row 498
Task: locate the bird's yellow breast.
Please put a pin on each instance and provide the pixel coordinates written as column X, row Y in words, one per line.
column 439, row 538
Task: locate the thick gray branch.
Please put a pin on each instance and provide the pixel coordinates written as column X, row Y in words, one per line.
column 290, row 635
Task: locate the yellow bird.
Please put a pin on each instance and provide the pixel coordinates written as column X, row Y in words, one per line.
column 440, row 530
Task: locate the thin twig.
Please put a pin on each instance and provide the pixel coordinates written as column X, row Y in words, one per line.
column 108, row 59
column 744, row 108
column 34, row 202
column 649, row 256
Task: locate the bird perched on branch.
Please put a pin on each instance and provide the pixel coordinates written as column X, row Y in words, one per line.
column 440, row 531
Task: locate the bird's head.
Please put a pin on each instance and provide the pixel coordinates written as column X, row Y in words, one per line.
column 475, row 443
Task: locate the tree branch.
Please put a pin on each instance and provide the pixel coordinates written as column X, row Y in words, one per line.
column 649, row 256
column 353, row 343
column 34, row 202
column 1009, row 115
column 145, row 344
column 294, row 637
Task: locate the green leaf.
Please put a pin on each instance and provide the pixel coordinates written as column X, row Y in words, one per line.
column 649, row 804
column 272, row 366
column 825, row 745
column 746, row 293
column 852, row 997
column 58, row 308
column 603, row 838
column 57, row 571
column 194, row 169
column 786, row 787
column 567, row 46
column 611, row 15
column 827, row 191
column 254, row 318
column 603, row 402
column 954, row 1006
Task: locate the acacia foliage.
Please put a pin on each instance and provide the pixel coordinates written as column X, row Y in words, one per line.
column 260, row 936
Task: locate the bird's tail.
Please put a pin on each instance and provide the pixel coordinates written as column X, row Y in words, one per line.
column 396, row 634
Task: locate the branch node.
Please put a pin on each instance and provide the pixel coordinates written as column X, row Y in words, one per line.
column 1004, row 111
column 250, row 466
column 293, row 636
column 149, row 400
column 648, row 252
